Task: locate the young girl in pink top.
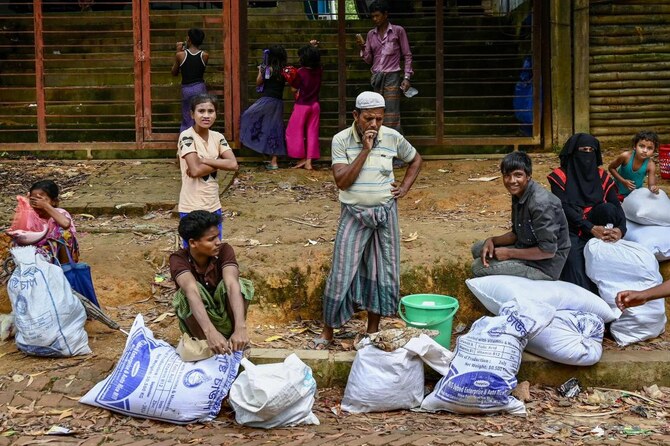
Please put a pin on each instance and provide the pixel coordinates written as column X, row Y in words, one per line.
column 302, row 132
column 60, row 233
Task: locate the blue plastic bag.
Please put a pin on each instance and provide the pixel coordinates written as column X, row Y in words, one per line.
column 78, row 275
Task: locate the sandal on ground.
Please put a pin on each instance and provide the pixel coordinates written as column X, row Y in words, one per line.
column 271, row 167
column 319, row 344
column 345, row 334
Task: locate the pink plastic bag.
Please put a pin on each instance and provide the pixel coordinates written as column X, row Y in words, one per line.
column 27, row 227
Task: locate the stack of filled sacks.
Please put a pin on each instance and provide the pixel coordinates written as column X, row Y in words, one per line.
column 575, row 333
column 620, row 266
column 648, row 224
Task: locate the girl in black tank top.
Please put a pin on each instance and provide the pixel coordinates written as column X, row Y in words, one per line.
column 262, row 124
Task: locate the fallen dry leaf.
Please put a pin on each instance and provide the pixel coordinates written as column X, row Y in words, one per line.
column 412, row 236
column 32, row 377
column 162, row 317
column 13, row 410
column 273, row 338
column 65, row 414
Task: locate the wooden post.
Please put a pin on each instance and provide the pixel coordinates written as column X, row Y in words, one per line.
column 39, row 72
column 342, row 64
column 561, row 71
column 439, row 71
column 145, row 61
column 240, row 54
column 228, row 73
column 580, row 45
column 544, row 15
column 138, row 61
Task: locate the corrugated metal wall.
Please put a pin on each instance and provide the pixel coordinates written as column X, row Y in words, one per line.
column 629, row 68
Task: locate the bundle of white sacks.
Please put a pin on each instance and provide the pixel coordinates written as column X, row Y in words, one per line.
column 151, row 381
column 574, row 336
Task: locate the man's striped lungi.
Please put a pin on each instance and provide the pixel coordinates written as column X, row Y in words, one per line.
column 388, row 85
column 365, row 274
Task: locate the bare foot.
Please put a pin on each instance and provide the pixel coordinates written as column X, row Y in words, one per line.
column 308, row 165
column 300, row 164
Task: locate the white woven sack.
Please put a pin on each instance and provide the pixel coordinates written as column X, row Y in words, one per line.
column 625, row 265
column 493, row 291
column 381, row 381
column 655, row 238
column 483, row 373
column 151, row 381
column 49, row 319
column 647, row 208
column 572, row 337
column 274, row 395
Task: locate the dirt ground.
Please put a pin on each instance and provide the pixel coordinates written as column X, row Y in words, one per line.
column 281, row 225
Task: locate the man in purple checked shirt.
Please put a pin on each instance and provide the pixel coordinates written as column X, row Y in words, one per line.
column 384, row 46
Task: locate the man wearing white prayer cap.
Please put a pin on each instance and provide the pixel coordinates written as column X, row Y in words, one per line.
column 365, row 274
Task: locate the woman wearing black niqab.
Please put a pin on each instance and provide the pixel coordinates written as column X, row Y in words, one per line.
column 590, row 202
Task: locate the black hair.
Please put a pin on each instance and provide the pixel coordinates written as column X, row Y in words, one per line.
column 277, row 59
column 309, row 56
column 196, row 35
column 516, row 161
column 203, row 98
column 194, row 225
column 648, row 135
column 49, row 187
column 379, row 5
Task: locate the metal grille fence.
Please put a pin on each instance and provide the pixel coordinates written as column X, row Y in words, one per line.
column 97, row 72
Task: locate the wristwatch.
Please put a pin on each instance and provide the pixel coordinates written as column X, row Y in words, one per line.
column 407, row 77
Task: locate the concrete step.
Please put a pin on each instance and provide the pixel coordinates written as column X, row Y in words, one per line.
column 629, row 370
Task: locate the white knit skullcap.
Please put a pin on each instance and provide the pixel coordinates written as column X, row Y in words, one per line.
column 370, row 99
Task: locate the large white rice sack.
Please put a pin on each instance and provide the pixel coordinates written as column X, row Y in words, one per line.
column 493, row 291
column 274, row 395
column 49, row 319
column 655, row 238
column 620, row 266
column 151, row 381
column 483, row 372
column 381, row 381
column 572, row 337
column 647, row 208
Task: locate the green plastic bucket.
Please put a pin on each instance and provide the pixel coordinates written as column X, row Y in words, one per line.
column 430, row 311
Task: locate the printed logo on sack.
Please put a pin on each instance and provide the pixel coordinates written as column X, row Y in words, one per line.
column 129, row 372
column 21, row 305
column 496, row 332
column 194, row 378
column 488, row 389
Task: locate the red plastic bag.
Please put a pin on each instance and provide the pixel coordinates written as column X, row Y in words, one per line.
column 27, row 227
column 289, row 72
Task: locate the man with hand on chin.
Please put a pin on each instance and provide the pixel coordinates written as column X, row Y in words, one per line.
column 365, row 273
column 211, row 301
column 539, row 242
